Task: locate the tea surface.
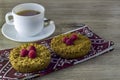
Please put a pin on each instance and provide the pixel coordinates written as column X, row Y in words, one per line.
column 28, row 12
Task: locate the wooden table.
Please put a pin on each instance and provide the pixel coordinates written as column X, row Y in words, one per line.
column 103, row 17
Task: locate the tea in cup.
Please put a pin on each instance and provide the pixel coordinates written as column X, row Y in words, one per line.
column 28, row 18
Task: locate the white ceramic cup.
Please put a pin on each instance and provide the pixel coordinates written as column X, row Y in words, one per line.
column 27, row 25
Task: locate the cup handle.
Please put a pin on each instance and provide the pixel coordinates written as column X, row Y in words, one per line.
column 46, row 22
column 7, row 18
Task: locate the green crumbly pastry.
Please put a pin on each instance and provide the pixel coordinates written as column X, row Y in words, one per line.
column 80, row 47
column 26, row 64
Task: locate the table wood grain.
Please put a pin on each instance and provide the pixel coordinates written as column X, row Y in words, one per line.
column 102, row 16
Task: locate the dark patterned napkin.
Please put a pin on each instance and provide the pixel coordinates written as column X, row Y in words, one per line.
column 99, row 46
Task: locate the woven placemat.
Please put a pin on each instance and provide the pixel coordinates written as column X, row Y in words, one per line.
column 99, row 46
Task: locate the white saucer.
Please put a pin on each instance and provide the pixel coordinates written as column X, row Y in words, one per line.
column 9, row 32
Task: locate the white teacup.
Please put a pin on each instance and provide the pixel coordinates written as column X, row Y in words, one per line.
column 27, row 25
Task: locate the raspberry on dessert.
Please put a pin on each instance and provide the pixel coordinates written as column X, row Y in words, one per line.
column 32, row 48
column 74, row 37
column 69, row 42
column 32, row 54
column 24, row 52
column 65, row 39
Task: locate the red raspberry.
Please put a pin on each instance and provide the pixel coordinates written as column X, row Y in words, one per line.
column 65, row 39
column 32, row 54
column 69, row 42
column 74, row 37
column 23, row 52
column 32, row 48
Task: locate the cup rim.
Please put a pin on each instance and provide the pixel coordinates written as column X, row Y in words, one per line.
column 13, row 10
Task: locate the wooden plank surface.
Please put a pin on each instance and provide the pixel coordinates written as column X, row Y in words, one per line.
column 103, row 17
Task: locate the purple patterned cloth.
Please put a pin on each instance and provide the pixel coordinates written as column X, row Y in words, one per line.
column 99, row 46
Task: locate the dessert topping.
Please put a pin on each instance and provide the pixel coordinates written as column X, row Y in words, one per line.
column 32, row 48
column 24, row 52
column 32, row 54
column 74, row 37
column 70, row 40
column 65, row 39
